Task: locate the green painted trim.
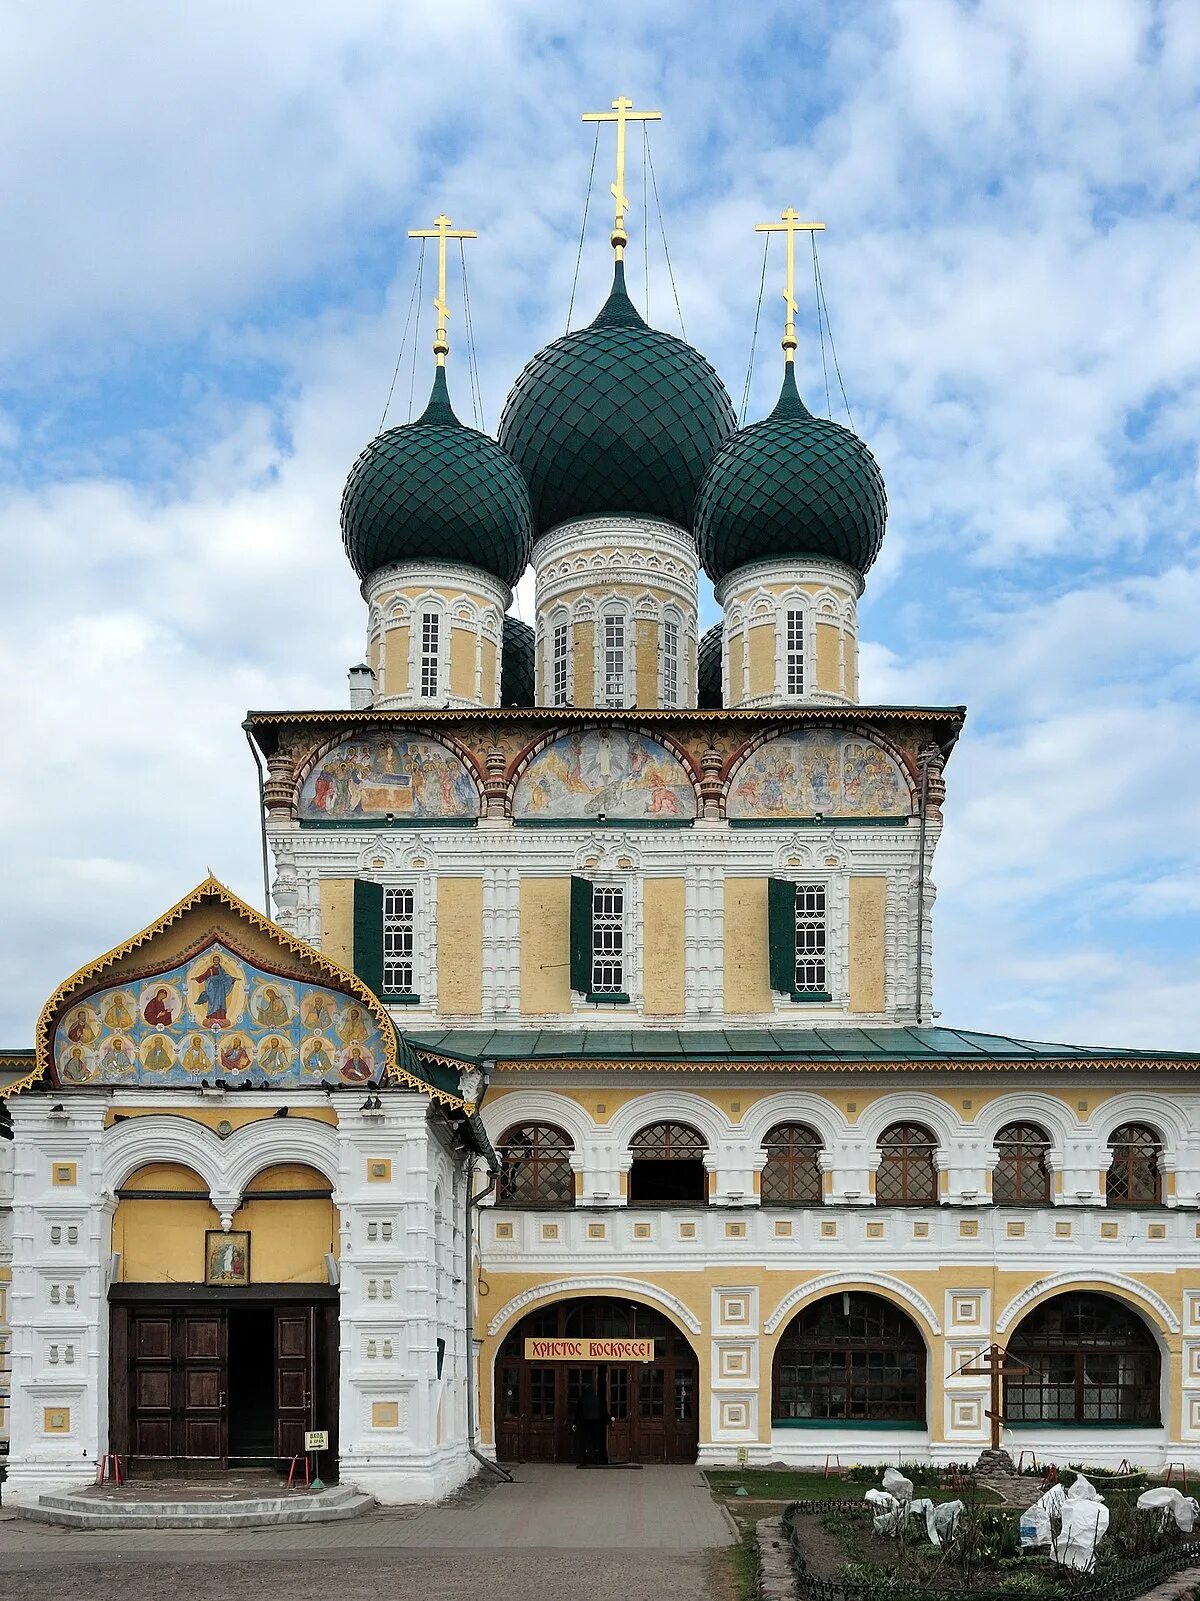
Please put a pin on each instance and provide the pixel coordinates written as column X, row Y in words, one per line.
column 382, row 822
column 823, row 822
column 595, row 822
column 617, row 999
column 875, row 1425
column 819, row 996
column 399, row 1000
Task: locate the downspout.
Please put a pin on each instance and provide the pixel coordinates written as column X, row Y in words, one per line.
column 262, row 820
column 473, row 1202
column 924, row 759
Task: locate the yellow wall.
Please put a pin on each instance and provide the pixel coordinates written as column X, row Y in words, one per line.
column 868, row 922
column 460, row 945
column 662, row 945
column 582, row 647
column 762, row 659
column 395, row 661
column 337, row 919
column 462, row 662
column 645, row 633
column 490, row 687
column 747, row 976
column 828, row 664
column 545, row 944
column 736, row 668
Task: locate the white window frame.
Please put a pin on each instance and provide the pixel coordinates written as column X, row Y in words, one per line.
column 610, row 941
column 812, row 937
column 613, row 617
column 401, row 923
column 423, row 613
column 671, row 674
column 559, row 683
column 795, row 649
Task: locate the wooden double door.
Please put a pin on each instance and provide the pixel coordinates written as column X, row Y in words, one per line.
column 219, row 1383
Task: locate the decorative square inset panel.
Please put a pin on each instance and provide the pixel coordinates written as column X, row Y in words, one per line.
column 56, row 1420
column 549, row 1231
column 597, row 1231
column 829, row 1231
column 1109, row 1231
column 64, row 1173
column 1193, row 1310
column 641, row 1231
column 1194, row 1362
column 385, row 1414
column 965, row 1414
column 379, row 1170
column 874, row 1231
column 735, row 1231
column 920, row 1231
column 503, row 1231
column 1016, row 1231
column 687, row 1231
column 1062, row 1231
column 783, row 1231
column 1194, row 1415
column 965, row 1309
column 968, row 1228
column 1156, row 1231
column 734, row 1309
column 734, row 1415
column 735, row 1362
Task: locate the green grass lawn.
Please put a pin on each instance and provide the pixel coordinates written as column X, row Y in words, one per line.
column 787, row 1484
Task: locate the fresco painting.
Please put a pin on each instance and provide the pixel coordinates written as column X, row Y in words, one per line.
column 409, row 777
column 218, row 1016
column 818, row 770
column 618, row 773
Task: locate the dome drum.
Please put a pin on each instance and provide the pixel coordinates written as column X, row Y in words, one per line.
column 790, row 634
column 434, row 633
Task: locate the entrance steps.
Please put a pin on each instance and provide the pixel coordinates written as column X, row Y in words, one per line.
column 201, row 1507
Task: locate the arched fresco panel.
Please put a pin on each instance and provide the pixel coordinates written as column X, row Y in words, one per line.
column 214, row 1016
column 611, row 771
column 401, row 774
column 818, row 770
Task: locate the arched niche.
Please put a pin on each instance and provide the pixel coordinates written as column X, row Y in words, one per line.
column 604, row 774
column 382, row 776
column 811, row 771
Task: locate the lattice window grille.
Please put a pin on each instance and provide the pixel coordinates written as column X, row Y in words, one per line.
column 430, row 642
column 608, row 940
column 812, row 935
column 614, row 661
column 560, row 663
column 670, row 663
column 399, row 924
column 794, row 654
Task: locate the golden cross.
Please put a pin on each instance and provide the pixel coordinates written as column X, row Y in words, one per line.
column 622, row 112
column 441, row 231
column 790, row 225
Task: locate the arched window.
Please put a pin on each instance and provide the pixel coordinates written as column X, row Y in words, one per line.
column 668, row 1166
column 1090, row 1360
column 614, row 686
column 792, row 1176
column 906, row 1175
column 535, row 1166
column 850, row 1358
column 1021, row 1177
column 1133, row 1178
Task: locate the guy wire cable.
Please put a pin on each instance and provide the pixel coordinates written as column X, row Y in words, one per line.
column 412, row 381
column 472, row 358
column 587, row 200
column 400, row 353
column 662, row 230
column 820, row 324
column 754, row 337
column 829, row 326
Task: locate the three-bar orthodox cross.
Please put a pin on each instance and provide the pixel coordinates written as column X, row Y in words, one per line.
column 441, row 231
column 622, row 113
column 790, row 224
column 997, row 1364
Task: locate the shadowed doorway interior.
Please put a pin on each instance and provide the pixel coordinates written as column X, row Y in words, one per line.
column 251, row 1391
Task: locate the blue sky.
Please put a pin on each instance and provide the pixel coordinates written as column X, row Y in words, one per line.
column 205, row 278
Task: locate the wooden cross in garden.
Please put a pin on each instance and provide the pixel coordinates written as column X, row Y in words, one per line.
column 997, row 1364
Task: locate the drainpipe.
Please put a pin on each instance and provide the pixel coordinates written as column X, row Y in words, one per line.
column 924, row 760
column 473, row 1202
column 262, row 820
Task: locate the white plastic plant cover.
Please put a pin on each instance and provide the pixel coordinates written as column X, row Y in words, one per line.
column 1083, row 1526
column 896, row 1484
column 940, row 1521
column 1171, row 1503
column 1083, row 1490
column 889, row 1513
column 1035, row 1528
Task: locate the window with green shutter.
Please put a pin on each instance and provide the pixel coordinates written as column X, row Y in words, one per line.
column 581, row 935
column 368, row 933
column 798, row 939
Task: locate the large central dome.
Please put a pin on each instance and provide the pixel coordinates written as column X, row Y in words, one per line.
column 615, row 418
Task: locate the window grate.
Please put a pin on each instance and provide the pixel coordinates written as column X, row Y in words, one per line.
column 608, row 940
column 430, row 636
column 399, row 921
column 811, row 940
column 614, row 661
column 535, row 1166
column 792, row 1175
column 907, row 1174
column 1134, row 1179
column 670, row 663
column 1021, row 1177
column 794, row 654
column 560, row 664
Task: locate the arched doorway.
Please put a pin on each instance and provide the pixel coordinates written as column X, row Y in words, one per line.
column 850, row 1358
column 653, row 1405
column 1091, row 1359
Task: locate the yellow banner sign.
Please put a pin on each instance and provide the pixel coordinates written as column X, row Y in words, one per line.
column 604, row 1350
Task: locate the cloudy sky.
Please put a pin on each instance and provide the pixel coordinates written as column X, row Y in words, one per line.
column 205, row 277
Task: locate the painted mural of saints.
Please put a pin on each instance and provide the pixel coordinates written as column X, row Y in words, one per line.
column 158, row 1056
column 118, row 1011
column 83, row 1028
column 271, row 1009
column 274, row 1056
column 318, row 1059
column 75, row 1068
column 234, row 1057
column 353, row 1028
column 195, row 1058
column 116, row 1059
column 161, row 1007
column 216, row 986
column 317, row 1012
column 357, row 1066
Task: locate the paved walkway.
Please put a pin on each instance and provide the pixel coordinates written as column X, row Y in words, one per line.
column 557, row 1533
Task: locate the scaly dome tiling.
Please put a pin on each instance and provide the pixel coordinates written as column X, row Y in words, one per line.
column 435, row 490
column 517, row 682
column 615, row 418
column 792, row 485
column 708, row 665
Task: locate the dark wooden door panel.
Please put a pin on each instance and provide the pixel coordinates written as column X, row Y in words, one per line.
column 203, row 1337
column 152, row 1390
column 152, row 1338
column 295, row 1331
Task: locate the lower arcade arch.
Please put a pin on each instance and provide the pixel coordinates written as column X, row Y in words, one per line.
column 561, row 1399
column 850, row 1358
column 1088, row 1359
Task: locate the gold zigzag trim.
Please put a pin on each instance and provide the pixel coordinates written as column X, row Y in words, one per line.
column 211, row 889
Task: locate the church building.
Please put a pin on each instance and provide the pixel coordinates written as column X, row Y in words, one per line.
column 589, row 1042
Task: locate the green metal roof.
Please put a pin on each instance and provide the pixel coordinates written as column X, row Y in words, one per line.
column 838, row 1047
column 616, row 417
column 708, row 668
column 791, row 485
column 435, row 490
column 517, row 684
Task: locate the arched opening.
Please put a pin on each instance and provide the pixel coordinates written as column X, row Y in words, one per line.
column 1133, row 1177
column 907, row 1174
column 1091, row 1359
column 668, row 1166
column 1021, row 1176
column 567, row 1360
column 792, row 1175
column 535, row 1166
column 850, row 1358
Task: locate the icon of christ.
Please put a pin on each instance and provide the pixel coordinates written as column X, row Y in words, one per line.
column 216, row 986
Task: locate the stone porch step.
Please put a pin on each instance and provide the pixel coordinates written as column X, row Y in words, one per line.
column 87, row 1511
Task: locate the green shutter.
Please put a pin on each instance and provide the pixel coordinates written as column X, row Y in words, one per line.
column 368, row 933
column 581, row 935
column 781, row 933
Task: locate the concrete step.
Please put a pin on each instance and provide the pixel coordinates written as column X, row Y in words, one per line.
column 85, row 1511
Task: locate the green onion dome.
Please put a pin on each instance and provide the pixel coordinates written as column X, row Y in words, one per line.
column 791, row 485
column 517, row 686
column 615, row 418
column 435, row 490
column 708, row 668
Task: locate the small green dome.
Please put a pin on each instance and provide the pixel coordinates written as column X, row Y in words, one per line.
column 435, row 490
column 616, row 417
column 517, row 651
column 708, row 667
column 791, row 485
